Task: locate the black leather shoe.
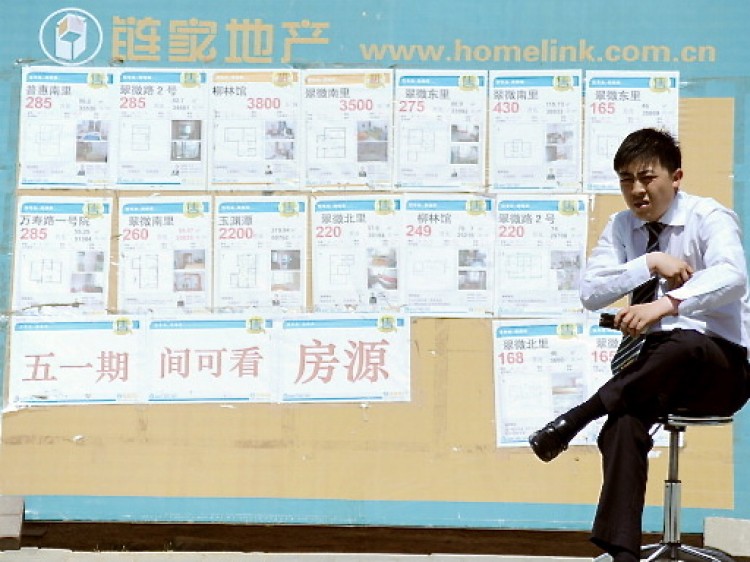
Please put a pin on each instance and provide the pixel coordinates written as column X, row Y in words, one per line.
column 552, row 439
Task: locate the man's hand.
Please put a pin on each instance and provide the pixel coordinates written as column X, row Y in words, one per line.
column 674, row 270
column 633, row 320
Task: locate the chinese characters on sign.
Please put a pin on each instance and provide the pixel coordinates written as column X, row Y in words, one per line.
column 333, row 129
column 49, row 366
column 205, row 358
column 355, row 358
column 185, row 41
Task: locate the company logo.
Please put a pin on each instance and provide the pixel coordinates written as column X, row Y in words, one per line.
column 70, row 36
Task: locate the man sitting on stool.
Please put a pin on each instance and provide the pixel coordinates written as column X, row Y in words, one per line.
column 681, row 258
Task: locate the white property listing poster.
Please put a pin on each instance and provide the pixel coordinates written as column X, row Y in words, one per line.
column 255, row 121
column 162, row 129
column 356, row 244
column 535, row 126
column 165, row 253
column 67, row 120
column 440, row 120
column 618, row 103
column 540, row 372
column 348, row 137
column 210, row 358
column 345, row 358
column 540, row 253
column 62, row 254
column 48, row 365
column 261, row 253
column 448, row 242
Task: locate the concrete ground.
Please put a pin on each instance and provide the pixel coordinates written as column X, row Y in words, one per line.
column 51, row 555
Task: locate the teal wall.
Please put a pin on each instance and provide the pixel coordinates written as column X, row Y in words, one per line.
column 706, row 41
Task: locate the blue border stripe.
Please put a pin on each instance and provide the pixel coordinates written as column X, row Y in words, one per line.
column 469, row 515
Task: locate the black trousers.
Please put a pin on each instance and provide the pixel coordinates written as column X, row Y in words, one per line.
column 677, row 370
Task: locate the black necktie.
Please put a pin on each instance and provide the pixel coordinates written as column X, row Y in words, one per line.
column 630, row 348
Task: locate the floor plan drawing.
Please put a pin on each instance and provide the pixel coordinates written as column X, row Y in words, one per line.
column 145, row 271
column 419, row 141
column 45, row 271
column 523, row 266
column 243, row 273
column 45, row 140
column 241, row 142
column 331, row 143
column 517, row 148
column 341, row 271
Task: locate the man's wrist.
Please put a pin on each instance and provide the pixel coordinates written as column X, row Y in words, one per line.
column 674, row 305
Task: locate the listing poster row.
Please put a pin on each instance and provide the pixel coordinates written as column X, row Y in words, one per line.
column 453, row 130
column 140, row 359
column 451, row 255
column 540, row 367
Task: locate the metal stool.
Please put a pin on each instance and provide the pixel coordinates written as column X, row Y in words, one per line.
column 670, row 547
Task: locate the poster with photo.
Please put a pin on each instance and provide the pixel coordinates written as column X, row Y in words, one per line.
column 540, row 254
column 535, row 128
column 62, row 254
column 448, row 257
column 540, row 371
column 162, row 129
column 440, row 122
column 618, row 103
column 347, row 115
column 165, row 254
column 261, row 253
column 255, row 129
column 68, row 119
column 356, row 245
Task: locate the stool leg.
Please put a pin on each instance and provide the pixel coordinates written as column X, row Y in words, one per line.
column 669, row 546
column 672, row 492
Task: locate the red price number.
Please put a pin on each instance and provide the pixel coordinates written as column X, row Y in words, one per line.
column 34, row 233
column 511, row 231
column 235, row 233
column 263, row 103
column 356, row 105
column 511, row 357
column 328, row 232
column 38, row 102
column 603, row 108
column 135, row 234
column 603, row 355
column 420, row 230
column 132, row 102
column 507, row 107
column 411, row 106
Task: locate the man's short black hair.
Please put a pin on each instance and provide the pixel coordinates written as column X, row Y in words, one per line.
column 648, row 145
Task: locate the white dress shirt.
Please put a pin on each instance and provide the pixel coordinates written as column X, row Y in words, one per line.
column 714, row 301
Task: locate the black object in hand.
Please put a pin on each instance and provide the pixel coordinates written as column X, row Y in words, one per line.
column 607, row 320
